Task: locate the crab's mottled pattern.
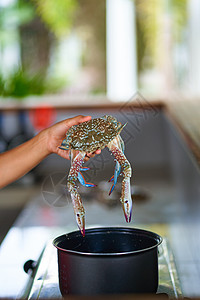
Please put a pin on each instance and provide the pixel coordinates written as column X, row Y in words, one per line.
column 89, row 137
column 92, row 135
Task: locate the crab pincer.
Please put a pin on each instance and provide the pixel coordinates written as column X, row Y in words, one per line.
column 125, row 199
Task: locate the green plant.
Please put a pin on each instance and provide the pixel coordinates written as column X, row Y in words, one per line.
column 55, row 84
column 58, row 15
column 150, row 16
column 1, row 85
column 20, row 84
column 147, row 20
column 179, row 14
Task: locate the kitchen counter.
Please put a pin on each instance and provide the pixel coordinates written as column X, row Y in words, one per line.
column 39, row 223
column 12, row 200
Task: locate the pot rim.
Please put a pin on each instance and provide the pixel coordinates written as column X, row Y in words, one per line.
column 157, row 238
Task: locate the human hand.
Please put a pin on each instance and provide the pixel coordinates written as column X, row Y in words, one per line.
column 56, row 133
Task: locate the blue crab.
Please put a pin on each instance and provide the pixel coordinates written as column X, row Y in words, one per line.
column 88, row 137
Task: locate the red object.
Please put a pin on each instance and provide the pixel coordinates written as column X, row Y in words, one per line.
column 42, row 117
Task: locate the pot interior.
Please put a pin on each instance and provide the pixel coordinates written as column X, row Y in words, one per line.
column 108, row 241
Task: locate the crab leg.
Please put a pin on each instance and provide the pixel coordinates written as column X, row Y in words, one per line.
column 117, row 165
column 76, row 199
column 80, row 175
column 126, row 171
column 115, row 176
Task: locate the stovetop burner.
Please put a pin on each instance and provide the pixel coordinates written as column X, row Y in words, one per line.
column 44, row 284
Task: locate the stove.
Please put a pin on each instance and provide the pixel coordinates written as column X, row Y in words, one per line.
column 43, row 283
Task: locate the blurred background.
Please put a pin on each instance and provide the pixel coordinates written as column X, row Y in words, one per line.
column 137, row 60
column 107, row 47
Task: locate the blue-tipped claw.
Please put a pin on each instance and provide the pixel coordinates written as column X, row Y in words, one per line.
column 83, row 181
column 115, row 176
column 111, row 179
column 84, row 169
column 111, row 189
column 63, row 148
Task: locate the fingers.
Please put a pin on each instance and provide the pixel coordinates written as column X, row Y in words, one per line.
column 76, row 120
column 62, row 132
column 98, row 151
column 90, row 155
column 65, row 154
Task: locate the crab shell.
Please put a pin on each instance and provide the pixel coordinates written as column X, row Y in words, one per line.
column 92, row 135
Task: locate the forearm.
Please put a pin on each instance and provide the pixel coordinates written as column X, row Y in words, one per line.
column 17, row 162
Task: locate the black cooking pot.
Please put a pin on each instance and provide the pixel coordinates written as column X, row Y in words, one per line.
column 108, row 261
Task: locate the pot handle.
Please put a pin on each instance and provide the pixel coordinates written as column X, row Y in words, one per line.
column 30, row 266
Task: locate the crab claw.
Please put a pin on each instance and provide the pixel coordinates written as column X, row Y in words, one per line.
column 127, row 208
column 80, row 219
column 79, row 210
column 126, row 199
